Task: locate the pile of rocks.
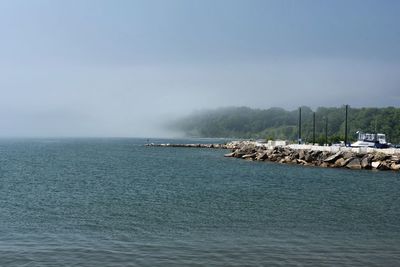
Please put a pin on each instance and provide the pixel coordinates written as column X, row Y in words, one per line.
column 341, row 159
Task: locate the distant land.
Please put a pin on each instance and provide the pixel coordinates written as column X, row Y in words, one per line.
column 278, row 123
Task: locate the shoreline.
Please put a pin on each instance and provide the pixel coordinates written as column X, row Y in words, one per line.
column 307, row 155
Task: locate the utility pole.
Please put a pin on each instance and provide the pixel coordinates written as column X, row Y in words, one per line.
column 345, row 127
column 326, row 130
column 299, row 137
column 313, row 135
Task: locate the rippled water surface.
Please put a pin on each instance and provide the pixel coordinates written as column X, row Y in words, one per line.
column 114, row 202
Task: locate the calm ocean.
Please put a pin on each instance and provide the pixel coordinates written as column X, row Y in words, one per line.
column 115, row 202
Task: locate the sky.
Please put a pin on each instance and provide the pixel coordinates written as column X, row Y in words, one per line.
column 124, row 68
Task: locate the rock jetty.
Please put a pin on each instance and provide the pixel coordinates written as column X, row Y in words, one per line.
column 321, row 156
column 318, row 156
column 220, row 146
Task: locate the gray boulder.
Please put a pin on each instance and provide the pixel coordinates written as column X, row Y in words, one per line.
column 340, row 162
column 354, row 164
column 239, row 153
column 273, row 157
column 249, row 156
column 375, row 164
column 324, row 165
column 395, row 167
column 380, row 156
column 366, row 162
column 288, row 159
column 302, row 162
column 384, row 166
column 301, row 154
column 333, row 158
column 308, row 157
column 348, row 155
column 262, row 155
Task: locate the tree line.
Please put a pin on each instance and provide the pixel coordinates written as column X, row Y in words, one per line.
column 278, row 123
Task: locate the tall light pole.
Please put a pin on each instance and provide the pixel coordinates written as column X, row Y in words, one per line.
column 299, row 137
column 313, row 135
column 326, row 130
column 345, row 127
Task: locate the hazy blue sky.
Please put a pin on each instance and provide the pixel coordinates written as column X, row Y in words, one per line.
column 120, row 68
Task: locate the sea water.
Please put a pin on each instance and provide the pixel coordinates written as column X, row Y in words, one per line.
column 116, row 202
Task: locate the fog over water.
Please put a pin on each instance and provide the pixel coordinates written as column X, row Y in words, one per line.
column 125, row 68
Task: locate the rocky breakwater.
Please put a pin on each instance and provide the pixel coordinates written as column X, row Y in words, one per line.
column 219, row 146
column 341, row 159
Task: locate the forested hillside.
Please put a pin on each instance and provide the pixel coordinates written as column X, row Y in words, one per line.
column 278, row 123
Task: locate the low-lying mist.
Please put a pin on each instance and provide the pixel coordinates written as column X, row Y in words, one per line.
column 140, row 101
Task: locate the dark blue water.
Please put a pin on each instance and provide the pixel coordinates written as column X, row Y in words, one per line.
column 114, row 202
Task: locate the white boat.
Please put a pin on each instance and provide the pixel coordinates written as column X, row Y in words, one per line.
column 377, row 140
